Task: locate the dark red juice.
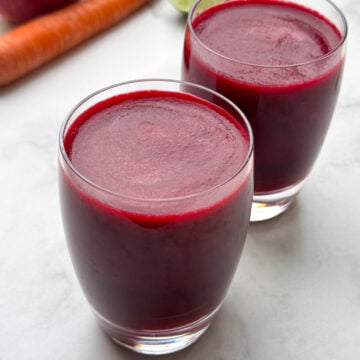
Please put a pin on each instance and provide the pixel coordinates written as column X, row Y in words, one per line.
column 158, row 248
column 270, row 58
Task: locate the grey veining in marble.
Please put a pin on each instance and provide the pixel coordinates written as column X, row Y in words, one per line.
column 296, row 294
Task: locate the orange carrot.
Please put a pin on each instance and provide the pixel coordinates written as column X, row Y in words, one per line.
column 32, row 44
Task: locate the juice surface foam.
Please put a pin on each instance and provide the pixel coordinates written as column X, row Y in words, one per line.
column 156, row 145
column 269, row 34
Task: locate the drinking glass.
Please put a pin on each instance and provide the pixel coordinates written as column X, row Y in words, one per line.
column 155, row 270
column 289, row 103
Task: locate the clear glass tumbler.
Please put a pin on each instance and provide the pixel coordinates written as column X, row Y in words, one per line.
column 155, row 265
column 281, row 62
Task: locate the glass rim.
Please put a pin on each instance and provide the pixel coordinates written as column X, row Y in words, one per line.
column 320, row 58
column 91, row 183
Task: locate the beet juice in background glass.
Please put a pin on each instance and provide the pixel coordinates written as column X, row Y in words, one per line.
column 156, row 187
column 281, row 62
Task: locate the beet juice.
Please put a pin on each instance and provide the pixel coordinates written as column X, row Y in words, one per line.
column 155, row 188
column 281, row 63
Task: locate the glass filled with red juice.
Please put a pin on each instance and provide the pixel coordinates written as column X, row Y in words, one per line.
column 281, row 62
column 156, row 188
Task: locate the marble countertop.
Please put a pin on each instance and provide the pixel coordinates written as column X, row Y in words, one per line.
column 296, row 294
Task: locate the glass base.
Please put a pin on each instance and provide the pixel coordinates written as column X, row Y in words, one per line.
column 269, row 205
column 156, row 342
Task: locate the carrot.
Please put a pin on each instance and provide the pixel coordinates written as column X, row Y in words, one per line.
column 32, row 44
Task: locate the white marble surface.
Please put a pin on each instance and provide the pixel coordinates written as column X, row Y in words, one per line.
column 296, row 294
